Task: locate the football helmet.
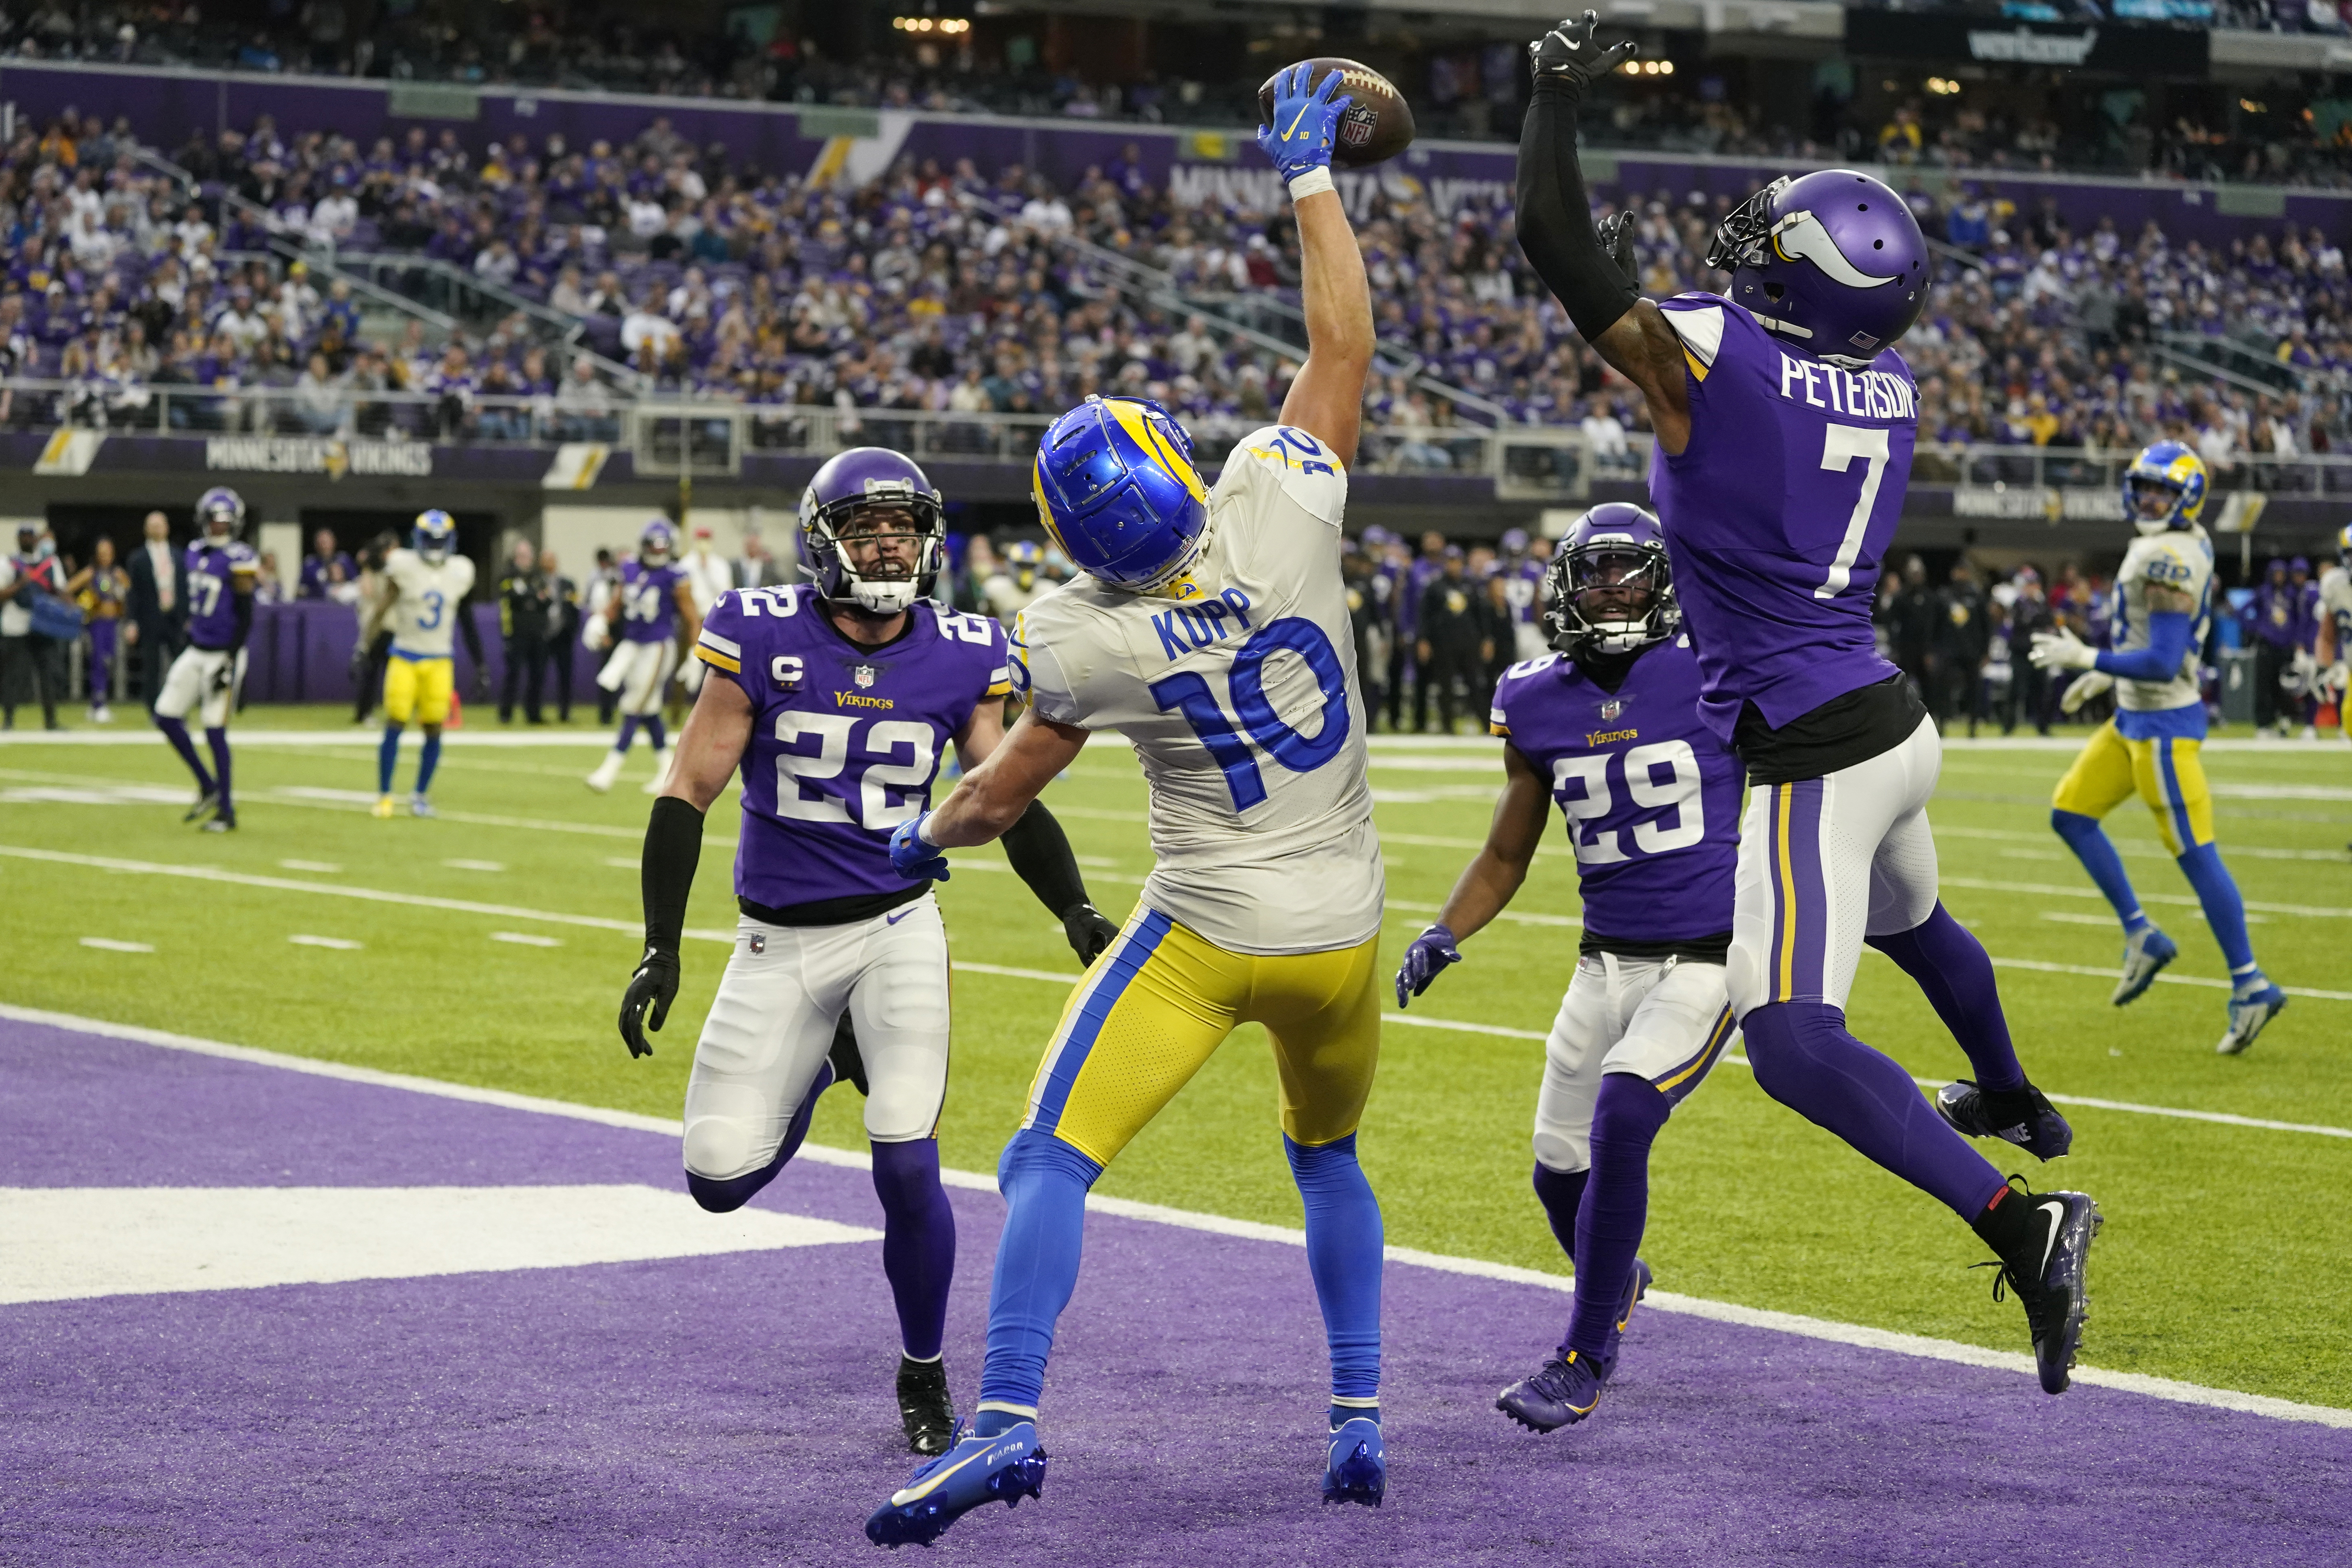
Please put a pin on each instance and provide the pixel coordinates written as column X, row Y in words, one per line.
column 1117, row 489
column 2343, row 546
column 220, row 514
column 1609, row 588
column 1833, row 261
column 657, row 545
column 1023, row 558
column 863, row 493
column 2164, row 489
column 435, row 535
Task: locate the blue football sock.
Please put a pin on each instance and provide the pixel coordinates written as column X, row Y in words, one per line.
column 2097, row 853
column 387, row 757
column 1804, row 1059
column 1344, row 1241
column 1561, row 1193
column 1625, row 1122
column 1340, row 1415
column 177, row 733
column 1949, row 964
column 656, row 732
column 218, row 741
column 628, row 732
column 2225, row 911
column 724, row 1194
column 919, row 1241
column 426, row 762
column 1045, row 1182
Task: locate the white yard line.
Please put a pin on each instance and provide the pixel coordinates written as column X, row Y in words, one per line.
column 1822, row 1329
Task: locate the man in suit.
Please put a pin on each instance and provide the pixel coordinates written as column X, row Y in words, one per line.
column 157, row 624
column 563, row 629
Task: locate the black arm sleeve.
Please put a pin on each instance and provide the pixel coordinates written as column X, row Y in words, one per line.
column 244, row 609
column 673, row 850
column 1554, row 218
column 1041, row 852
column 470, row 632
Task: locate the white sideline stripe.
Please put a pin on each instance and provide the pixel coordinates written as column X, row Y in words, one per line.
column 1249, row 1230
column 2052, row 890
column 635, row 928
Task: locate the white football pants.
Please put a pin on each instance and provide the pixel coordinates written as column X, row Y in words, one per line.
column 1663, row 1019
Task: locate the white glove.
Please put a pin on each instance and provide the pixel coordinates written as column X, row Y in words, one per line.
column 2062, row 649
column 2337, row 678
column 691, row 676
column 596, row 634
column 2082, row 690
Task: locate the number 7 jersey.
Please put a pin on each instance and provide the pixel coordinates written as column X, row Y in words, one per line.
column 845, row 740
column 1241, row 703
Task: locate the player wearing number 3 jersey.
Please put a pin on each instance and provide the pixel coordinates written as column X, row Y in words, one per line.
column 1785, row 420
column 1210, row 629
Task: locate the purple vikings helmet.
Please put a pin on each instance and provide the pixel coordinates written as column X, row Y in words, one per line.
column 657, row 545
column 870, row 491
column 1831, row 261
column 222, row 506
column 1117, row 489
column 1609, row 588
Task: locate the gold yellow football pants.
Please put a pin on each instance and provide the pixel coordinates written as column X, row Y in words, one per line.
column 1161, row 998
column 419, row 688
column 2165, row 773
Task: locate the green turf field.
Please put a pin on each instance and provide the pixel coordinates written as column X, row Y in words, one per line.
column 2227, row 1258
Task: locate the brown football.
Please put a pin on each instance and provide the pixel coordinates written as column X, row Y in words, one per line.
column 1373, row 129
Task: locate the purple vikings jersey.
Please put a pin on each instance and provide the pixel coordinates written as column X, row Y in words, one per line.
column 845, row 741
column 1649, row 793
column 1778, row 512
column 213, row 571
column 649, row 602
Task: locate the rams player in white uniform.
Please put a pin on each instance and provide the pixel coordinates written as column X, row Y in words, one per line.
column 1211, row 629
column 2163, row 610
column 2334, row 646
column 422, row 592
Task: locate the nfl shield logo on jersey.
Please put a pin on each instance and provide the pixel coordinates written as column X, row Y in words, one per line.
column 1611, row 709
column 863, row 675
column 759, row 942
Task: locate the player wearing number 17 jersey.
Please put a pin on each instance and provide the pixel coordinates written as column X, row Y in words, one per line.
column 1785, row 420
column 1211, row 627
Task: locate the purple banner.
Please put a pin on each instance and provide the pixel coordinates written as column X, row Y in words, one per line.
column 302, row 653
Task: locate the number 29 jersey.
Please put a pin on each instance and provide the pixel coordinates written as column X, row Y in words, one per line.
column 1649, row 793
column 845, row 741
column 1241, row 703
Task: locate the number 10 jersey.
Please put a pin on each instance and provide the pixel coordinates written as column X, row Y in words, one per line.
column 1241, row 700
column 845, row 741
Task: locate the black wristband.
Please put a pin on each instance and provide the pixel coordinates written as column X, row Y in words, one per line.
column 1041, row 852
column 673, row 850
column 1555, row 216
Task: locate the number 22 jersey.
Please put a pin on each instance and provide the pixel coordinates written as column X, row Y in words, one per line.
column 1241, row 703
column 1651, row 794
column 845, row 741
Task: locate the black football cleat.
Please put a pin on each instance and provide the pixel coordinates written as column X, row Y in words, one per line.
column 924, row 1406
column 2021, row 1116
column 2049, row 1280
column 848, row 1065
column 207, row 804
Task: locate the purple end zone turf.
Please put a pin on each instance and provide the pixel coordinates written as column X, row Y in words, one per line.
column 736, row 1410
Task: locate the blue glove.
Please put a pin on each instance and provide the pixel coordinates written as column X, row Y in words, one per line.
column 912, row 858
column 1299, row 140
column 1424, row 960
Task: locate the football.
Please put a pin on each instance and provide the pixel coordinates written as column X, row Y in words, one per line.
column 1375, row 128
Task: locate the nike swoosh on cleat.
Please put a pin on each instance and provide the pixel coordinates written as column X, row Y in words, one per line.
column 2057, row 1213
column 932, row 1484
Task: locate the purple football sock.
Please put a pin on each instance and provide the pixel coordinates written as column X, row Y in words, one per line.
column 919, row 1241
column 628, row 734
column 1947, row 963
column 656, row 732
column 218, row 741
column 177, row 733
column 1561, row 1193
column 1805, row 1059
column 1625, row 1122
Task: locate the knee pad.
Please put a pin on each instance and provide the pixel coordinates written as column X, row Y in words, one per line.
column 1562, row 1152
column 1743, row 980
column 719, row 1148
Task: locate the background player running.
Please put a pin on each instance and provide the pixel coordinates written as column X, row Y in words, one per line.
column 221, row 569
column 2163, row 610
column 1211, row 629
column 421, row 594
column 837, row 700
column 651, row 621
column 1785, row 421
column 1609, row 727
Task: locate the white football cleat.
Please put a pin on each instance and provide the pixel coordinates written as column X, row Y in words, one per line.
column 420, row 807
column 661, row 770
column 2145, row 953
column 600, row 781
column 2250, row 1007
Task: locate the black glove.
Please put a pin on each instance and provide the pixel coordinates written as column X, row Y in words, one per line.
column 481, row 694
column 360, row 662
column 1616, row 233
column 646, row 1004
column 1567, row 54
column 1088, row 931
column 225, row 676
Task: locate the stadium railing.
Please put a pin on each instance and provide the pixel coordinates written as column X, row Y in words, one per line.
column 2083, row 484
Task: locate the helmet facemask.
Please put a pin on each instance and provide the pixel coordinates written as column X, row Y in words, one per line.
column 2155, row 504
column 1610, row 597
column 878, row 550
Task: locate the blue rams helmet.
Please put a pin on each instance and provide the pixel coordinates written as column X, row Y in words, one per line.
column 223, row 505
column 658, row 544
column 2164, row 489
column 1609, row 588
column 1117, row 489
column 435, row 535
column 870, row 492
column 2343, row 546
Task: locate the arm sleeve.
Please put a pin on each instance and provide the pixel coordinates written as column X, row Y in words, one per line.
column 673, row 849
column 1555, row 219
column 2167, row 645
column 470, row 632
column 243, row 605
column 1040, row 851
